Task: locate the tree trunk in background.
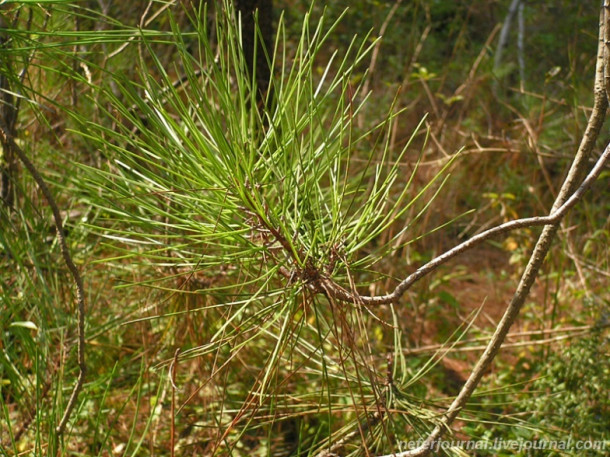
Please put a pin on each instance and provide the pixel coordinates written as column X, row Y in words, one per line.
column 248, row 9
column 504, row 33
column 8, row 164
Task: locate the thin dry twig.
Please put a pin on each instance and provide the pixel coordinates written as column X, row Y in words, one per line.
column 338, row 446
column 172, row 378
column 143, row 23
column 8, row 139
column 375, row 53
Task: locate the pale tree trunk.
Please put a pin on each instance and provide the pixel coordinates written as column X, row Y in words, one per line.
column 503, row 40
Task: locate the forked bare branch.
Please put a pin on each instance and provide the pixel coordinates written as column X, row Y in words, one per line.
column 556, row 215
column 566, row 198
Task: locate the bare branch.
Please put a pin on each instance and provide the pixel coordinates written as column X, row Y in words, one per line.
column 8, row 139
column 563, row 202
column 340, row 293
